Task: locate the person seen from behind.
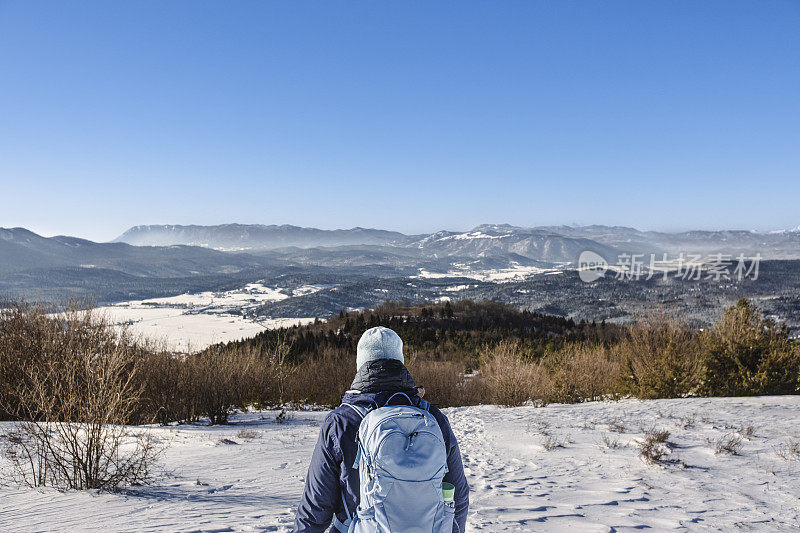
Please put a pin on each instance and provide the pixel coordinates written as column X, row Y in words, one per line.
column 386, row 460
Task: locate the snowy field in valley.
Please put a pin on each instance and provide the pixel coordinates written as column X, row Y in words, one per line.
column 516, row 272
column 194, row 321
column 557, row 468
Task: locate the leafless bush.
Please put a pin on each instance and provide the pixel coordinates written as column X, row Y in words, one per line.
column 686, row 422
column 611, row 442
column 322, row 380
column 616, row 425
column 223, row 379
column 653, row 448
column 539, row 427
column 747, row 431
column 512, row 381
column 273, row 382
column 658, row 435
column 75, row 386
column 789, row 451
column 247, row 434
column 551, row 442
column 729, row 443
column 167, row 385
column 579, row 373
column 445, row 382
column 213, row 383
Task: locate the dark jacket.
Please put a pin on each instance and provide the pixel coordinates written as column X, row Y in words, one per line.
column 331, row 473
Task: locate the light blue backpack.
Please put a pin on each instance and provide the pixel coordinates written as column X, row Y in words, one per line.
column 401, row 461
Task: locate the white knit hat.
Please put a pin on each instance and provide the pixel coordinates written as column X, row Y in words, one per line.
column 379, row 343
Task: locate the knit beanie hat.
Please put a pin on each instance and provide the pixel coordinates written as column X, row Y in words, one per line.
column 379, row 343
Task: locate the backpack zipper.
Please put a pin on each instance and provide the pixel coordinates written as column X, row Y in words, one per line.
column 411, row 439
column 395, row 415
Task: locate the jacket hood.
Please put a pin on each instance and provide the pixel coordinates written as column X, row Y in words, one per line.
column 383, row 375
column 377, row 380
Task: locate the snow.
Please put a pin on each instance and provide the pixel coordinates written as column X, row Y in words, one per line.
column 194, row 321
column 252, row 293
column 456, row 288
column 475, row 235
column 309, row 289
column 179, row 329
column 248, row 476
column 515, row 272
column 782, row 231
column 433, row 275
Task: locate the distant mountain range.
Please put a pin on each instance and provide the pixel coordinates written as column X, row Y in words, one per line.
column 484, row 241
column 233, row 237
column 543, row 243
column 782, row 244
column 149, row 261
column 21, row 249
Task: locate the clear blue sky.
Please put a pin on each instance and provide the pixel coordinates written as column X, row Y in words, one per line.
column 414, row 116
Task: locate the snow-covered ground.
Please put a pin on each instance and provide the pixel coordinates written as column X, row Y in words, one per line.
column 516, row 272
column 248, row 476
column 194, row 321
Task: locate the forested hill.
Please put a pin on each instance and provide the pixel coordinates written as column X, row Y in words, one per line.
column 457, row 331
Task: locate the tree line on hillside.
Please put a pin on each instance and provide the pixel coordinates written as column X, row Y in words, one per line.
column 450, row 331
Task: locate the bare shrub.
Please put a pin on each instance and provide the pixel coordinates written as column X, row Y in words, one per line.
column 580, row 372
column 654, row 448
column 273, row 382
column 221, row 380
column 167, row 385
column 550, row 442
column 658, row 435
column 322, row 380
column 539, row 427
column 511, row 380
column 789, row 451
column 616, row 425
column 610, row 442
column 247, row 434
column 661, row 356
column 651, row 452
column 747, row 431
column 729, row 443
column 685, row 422
column 445, row 382
column 73, row 390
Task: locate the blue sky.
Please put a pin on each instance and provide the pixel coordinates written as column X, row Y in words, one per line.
column 413, row 116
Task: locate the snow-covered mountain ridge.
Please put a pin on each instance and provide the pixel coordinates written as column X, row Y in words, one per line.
column 544, row 243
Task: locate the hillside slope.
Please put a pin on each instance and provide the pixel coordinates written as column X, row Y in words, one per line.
column 249, row 476
column 21, row 249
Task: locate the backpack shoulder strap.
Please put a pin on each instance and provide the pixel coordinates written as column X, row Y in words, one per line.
column 360, row 410
column 425, row 406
